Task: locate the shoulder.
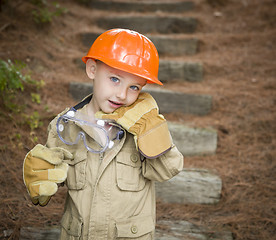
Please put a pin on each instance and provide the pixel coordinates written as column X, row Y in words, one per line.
column 54, row 120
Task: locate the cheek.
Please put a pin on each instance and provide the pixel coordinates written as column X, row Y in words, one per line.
column 132, row 98
column 99, row 86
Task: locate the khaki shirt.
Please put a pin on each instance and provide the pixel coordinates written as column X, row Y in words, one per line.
column 112, row 195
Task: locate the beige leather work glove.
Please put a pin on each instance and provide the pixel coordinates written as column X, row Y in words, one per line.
column 43, row 169
column 142, row 119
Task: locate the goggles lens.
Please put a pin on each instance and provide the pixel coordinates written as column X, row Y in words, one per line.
column 97, row 135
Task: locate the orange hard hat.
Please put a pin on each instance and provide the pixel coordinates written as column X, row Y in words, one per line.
column 128, row 51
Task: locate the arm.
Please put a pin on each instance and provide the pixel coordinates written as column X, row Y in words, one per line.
column 164, row 167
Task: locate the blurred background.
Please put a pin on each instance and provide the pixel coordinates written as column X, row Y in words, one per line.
column 216, row 56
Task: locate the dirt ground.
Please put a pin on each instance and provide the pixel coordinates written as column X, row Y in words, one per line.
column 237, row 49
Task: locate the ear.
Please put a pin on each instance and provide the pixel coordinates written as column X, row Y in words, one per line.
column 91, row 68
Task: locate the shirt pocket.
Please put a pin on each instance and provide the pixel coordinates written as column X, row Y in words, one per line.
column 129, row 171
column 141, row 228
column 71, row 227
column 76, row 176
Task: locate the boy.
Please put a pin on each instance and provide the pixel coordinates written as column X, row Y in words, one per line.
column 111, row 194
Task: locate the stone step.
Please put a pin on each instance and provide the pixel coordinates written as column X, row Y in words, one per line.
column 30, row 233
column 193, row 141
column 166, row 45
column 180, row 70
column 149, row 6
column 173, row 46
column 168, row 101
column 149, row 23
column 183, row 230
column 191, row 186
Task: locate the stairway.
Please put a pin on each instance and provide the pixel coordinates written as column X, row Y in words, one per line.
column 172, row 34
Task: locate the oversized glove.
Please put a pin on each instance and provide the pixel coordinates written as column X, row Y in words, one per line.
column 43, row 169
column 142, row 119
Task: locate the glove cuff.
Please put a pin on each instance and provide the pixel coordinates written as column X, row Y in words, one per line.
column 155, row 142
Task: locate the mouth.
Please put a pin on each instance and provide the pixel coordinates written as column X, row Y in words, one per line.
column 115, row 104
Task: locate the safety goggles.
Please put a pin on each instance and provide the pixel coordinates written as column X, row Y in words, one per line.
column 97, row 135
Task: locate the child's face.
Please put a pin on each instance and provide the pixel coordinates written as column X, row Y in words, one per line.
column 113, row 88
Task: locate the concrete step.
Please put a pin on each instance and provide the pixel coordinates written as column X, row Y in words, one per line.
column 30, row 233
column 183, row 230
column 191, row 186
column 179, row 70
column 166, row 45
column 193, row 141
column 168, row 101
column 146, row 6
column 149, row 23
column 174, row 46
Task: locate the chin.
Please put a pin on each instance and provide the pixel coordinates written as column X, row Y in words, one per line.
column 107, row 110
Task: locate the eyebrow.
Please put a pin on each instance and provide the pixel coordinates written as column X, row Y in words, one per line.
column 120, row 76
column 141, row 85
column 113, row 72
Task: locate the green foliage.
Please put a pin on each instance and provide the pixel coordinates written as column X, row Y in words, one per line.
column 46, row 108
column 43, row 14
column 12, row 80
column 34, row 120
column 36, row 98
column 11, row 77
column 37, row 84
column 18, row 136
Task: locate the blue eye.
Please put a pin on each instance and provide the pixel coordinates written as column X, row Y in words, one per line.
column 114, row 79
column 135, row 88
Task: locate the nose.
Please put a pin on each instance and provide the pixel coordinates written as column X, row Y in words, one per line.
column 122, row 93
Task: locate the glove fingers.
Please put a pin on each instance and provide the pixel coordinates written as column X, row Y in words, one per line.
column 132, row 116
column 102, row 115
column 35, row 201
column 65, row 153
column 128, row 116
column 57, row 175
column 53, row 175
column 51, row 155
column 64, row 167
column 42, row 188
column 43, row 200
column 117, row 114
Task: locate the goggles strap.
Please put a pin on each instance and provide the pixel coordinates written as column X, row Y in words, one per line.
column 83, row 102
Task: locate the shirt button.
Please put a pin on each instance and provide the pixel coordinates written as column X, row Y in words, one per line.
column 134, row 157
column 134, row 229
